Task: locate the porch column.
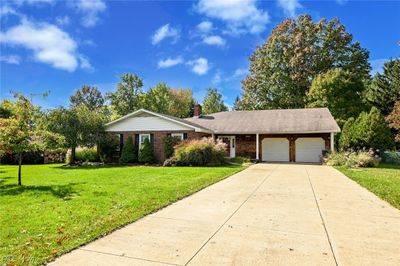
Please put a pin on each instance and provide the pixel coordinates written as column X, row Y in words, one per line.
column 257, row 146
column 332, row 142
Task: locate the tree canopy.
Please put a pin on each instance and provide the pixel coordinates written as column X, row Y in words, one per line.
column 339, row 90
column 128, row 97
column 212, row 102
column 282, row 69
column 89, row 96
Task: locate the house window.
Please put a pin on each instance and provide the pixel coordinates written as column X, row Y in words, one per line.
column 142, row 138
column 177, row 135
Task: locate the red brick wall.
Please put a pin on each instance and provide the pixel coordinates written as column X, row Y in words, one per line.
column 158, row 141
column 246, row 146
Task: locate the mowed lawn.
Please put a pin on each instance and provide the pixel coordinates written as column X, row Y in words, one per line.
column 383, row 181
column 60, row 208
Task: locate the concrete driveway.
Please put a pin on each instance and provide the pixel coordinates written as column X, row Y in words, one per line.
column 269, row 214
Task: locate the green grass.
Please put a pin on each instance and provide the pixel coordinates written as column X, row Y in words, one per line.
column 383, row 181
column 59, row 208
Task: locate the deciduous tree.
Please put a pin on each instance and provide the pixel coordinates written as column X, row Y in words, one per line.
column 128, row 97
column 89, row 96
column 282, row 69
column 394, row 120
column 339, row 90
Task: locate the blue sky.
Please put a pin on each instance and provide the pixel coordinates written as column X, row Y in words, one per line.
column 61, row 45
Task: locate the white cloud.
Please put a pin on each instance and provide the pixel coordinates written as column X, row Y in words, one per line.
column 240, row 16
column 50, row 44
column 164, row 32
column 205, row 26
column 63, row 21
column 214, row 40
column 85, row 64
column 90, row 10
column 6, row 10
column 199, row 66
column 31, row 2
column 240, row 72
column 170, row 62
column 10, row 59
column 289, row 7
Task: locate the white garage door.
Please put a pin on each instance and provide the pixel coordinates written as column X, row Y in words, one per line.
column 309, row 150
column 275, row 149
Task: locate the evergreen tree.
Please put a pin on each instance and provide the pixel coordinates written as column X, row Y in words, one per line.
column 146, row 152
column 128, row 154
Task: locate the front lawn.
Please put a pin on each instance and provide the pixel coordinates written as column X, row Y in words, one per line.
column 384, row 181
column 60, row 208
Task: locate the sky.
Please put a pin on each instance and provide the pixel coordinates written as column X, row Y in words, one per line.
column 58, row 46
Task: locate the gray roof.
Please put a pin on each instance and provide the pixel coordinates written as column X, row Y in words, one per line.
column 312, row 120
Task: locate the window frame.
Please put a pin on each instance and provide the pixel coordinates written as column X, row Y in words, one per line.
column 140, row 138
column 180, row 135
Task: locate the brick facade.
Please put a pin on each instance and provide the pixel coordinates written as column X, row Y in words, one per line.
column 245, row 144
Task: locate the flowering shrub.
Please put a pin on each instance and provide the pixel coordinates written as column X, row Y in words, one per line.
column 353, row 159
column 204, row 152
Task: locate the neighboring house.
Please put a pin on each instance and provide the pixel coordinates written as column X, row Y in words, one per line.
column 288, row 135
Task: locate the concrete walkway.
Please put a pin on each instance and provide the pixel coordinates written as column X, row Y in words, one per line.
column 269, row 214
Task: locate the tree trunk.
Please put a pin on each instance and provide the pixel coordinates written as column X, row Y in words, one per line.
column 19, row 169
column 72, row 155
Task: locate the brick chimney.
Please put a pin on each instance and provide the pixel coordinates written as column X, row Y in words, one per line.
column 197, row 110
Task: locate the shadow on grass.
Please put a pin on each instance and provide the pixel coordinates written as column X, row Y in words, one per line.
column 90, row 167
column 389, row 166
column 65, row 192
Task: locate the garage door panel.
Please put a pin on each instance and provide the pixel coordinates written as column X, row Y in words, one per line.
column 309, row 149
column 275, row 149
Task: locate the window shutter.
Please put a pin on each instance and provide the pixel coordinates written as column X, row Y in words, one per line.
column 185, row 136
column 137, row 142
column 152, row 140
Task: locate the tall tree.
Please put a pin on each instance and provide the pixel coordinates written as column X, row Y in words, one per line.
column 18, row 131
column 282, row 69
column 89, row 96
column 237, row 105
column 384, row 90
column 183, row 103
column 159, row 99
column 128, row 97
column 79, row 126
column 212, row 102
column 339, row 90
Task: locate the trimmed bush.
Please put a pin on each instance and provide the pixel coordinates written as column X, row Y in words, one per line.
column 169, row 146
column 204, row 152
column 146, row 154
column 128, row 153
column 353, row 159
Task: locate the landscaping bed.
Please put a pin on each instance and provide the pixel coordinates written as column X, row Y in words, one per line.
column 60, row 208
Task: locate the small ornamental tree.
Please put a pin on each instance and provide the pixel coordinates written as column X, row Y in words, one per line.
column 345, row 140
column 128, row 154
column 146, row 152
column 394, row 120
column 19, row 132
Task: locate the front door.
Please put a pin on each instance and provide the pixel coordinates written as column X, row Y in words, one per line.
column 230, row 142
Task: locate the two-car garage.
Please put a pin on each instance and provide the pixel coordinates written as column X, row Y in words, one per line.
column 305, row 149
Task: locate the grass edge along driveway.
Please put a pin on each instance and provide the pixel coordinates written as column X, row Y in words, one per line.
column 59, row 209
column 383, row 181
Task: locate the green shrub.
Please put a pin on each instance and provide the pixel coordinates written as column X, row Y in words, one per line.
column 107, row 147
column 128, row 153
column 169, row 144
column 391, row 157
column 146, row 152
column 84, row 154
column 352, row 159
column 369, row 130
column 205, row 152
